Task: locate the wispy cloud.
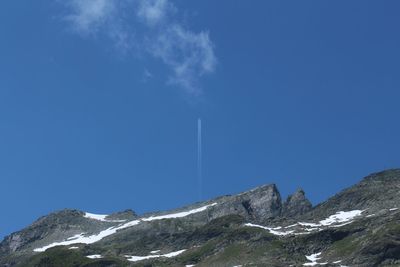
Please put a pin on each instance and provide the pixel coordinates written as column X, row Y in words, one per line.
column 154, row 12
column 189, row 55
column 89, row 16
column 153, row 27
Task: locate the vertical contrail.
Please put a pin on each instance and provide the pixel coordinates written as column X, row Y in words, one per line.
column 199, row 159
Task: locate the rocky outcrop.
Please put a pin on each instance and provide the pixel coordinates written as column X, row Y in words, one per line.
column 296, row 204
column 264, row 202
column 258, row 204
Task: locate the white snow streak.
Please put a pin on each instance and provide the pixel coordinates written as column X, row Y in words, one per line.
column 168, row 255
column 271, row 230
column 314, row 258
column 80, row 238
column 179, row 214
column 339, row 219
column 99, row 217
column 96, row 256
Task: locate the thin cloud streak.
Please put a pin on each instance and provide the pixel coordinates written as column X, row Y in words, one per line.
column 187, row 54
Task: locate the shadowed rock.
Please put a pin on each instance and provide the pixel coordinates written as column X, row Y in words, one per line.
column 258, row 204
column 296, row 204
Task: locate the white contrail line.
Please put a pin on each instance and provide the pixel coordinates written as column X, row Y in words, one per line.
column 199, row 161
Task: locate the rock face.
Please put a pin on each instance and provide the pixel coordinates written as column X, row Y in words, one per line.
column 264, row 202
column 357, row 227
column 258, row 204
column 296, row 204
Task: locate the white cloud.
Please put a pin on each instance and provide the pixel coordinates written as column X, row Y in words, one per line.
column 188, row 55
column 154, row 12
column 88, row 16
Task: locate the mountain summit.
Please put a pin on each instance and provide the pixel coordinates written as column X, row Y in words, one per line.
column 357, row 227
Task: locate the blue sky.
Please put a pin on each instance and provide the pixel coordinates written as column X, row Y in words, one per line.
column 99, row 100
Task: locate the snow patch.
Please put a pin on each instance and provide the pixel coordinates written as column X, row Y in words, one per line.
column 96, row 256
column 141, row 258
column 271, row 230
column 339, row 219
column 314, row 258
column 178, row 214
column 292, row 225
column 80, row 238
column 99, row 217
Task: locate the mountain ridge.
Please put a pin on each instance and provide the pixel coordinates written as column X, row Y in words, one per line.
column 241, row 218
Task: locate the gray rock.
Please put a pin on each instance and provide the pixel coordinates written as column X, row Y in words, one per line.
column 258, row 204
column 296, row 204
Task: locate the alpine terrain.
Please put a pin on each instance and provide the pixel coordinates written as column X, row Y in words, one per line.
column 359, row 226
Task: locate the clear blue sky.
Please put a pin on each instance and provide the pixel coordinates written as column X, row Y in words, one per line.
column 99, row 100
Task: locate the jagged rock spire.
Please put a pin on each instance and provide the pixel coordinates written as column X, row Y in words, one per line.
column 296, row 204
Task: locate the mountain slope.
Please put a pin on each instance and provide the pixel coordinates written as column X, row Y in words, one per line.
column 357, row 227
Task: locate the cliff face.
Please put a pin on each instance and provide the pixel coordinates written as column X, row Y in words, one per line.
column 260, row 203
column 357, row 227
column 296, row 204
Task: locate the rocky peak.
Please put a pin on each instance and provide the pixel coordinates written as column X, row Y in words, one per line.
column 296, row 204
column 62, row 216
column 265, row 202
column 261, row 203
